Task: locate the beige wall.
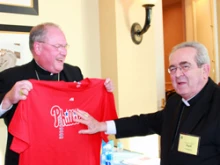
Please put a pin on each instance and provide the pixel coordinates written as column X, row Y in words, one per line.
column 203, row 28
column 133, row 67
column 79, row 20
column 217, row 37
column 136, row 70
column 108, row 51
column 3, row 137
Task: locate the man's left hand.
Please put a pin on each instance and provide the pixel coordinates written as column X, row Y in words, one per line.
column 108, row 85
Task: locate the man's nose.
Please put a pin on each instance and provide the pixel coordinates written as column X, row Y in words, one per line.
column 63, row 51
column 179, row 72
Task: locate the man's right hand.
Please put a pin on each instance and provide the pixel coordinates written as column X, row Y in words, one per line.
column 18, row 92
column 93, row 126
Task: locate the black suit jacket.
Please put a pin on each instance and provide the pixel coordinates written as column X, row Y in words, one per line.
column 201, row 119
column 10, row 76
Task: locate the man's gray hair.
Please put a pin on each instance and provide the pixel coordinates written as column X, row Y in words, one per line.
column 39, row 33
column 202, row 56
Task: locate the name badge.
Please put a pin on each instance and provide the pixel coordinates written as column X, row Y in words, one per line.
column 188, row 144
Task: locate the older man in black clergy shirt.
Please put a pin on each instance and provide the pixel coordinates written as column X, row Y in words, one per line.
column 189, row 125
column 49, row 48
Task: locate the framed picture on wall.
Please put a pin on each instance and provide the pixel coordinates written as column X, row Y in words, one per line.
column 19, row 7
column 14, row 46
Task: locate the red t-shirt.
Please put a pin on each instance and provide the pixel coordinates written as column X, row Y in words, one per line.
column 43, row 127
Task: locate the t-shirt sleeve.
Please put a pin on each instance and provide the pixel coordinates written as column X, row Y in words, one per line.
column 18, row 145
column 18, row 127
column 109, row 110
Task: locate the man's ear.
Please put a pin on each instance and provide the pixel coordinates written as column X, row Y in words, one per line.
column 206, row 70
column 37, row 48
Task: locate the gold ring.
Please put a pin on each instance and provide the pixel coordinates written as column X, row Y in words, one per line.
column 21, row 93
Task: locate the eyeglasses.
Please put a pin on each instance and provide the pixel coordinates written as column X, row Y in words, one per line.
column 184, row 67
column 58, row 46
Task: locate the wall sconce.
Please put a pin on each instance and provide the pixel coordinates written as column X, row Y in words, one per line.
column 136, row 29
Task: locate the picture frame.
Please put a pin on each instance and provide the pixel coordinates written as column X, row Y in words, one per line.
column 30, row 8
column 15, row 28
column 14, row 46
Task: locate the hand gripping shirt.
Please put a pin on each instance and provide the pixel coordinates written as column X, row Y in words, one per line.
column 43, row 128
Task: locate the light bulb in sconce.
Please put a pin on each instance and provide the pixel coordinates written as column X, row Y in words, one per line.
column 136, row 30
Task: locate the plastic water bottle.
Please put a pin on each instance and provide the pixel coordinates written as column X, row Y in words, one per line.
column 103, row 159
column 107, row 153
column 119, row 146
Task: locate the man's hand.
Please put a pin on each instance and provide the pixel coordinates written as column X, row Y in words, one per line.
column 93, row 125
column 109, row 85
column 18, row 92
